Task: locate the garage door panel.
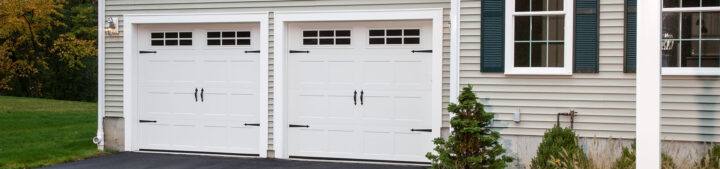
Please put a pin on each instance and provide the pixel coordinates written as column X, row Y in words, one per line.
column 343, row 142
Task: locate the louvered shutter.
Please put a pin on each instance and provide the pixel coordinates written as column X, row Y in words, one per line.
column 492, row 36
column 630, row 35
column 586, row 36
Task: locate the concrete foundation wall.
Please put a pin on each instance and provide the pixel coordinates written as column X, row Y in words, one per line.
column 114, row 128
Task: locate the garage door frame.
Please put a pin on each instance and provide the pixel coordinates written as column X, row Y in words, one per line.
column 281, row 20
column 130, row 50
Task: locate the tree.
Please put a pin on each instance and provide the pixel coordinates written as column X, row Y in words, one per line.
column 472, row 143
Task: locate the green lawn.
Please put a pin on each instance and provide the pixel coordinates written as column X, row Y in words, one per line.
column 39, row 132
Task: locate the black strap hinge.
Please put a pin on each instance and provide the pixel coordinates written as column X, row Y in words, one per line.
column 148, row 121
column 421, row 51
column 299, row 51
column 422, row 130
column 252, row 124
column 147, row 51
column 252, row 51
column 297, row 125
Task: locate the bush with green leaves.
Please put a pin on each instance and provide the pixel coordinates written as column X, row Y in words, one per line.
column 711, row 160
column 472, row 143
column 560, row 149
column 626, row 160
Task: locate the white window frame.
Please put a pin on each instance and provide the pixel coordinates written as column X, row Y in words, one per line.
column 689, row 71
column 568, row 12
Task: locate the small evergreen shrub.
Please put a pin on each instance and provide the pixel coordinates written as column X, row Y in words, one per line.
column 711, row 160
column 627, row 160
column 560, row 149
column 472, row 143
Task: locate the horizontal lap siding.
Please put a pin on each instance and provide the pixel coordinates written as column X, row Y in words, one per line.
column 691, row 108
column 605, row 101
column 117, row 8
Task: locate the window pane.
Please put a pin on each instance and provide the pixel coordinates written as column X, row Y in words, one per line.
column 171, row 34
column 244, row 34
column 327, row 41
column 670, row 56
column 394, row 40
column 310, row 41
column 412, row 40
column 394, row 32
column 522, row 28
column 213, row 34
column 710, row 53
column 671, row 3
column 157, row 35
column 690, row 3
column 342, row 41
column 537, row 5
column 556, row 25
column 228, row 35
column 539, row 29
column 213, row 42
column 522, row 54
column 671, row 25
column 412, row 32
column 185, row 34
column 689, row 53
column 186, row 42
column 538, row 55
column 556, row 55
column 707, row 3
column 171, row 42
column 157, row 43
column 342, row 33
column 522, row 5
column 228, row 41
column 711, row 25
column 377, row 41
column 547, row 5
column 243, row 42
column 310, row 33
column 555, row 5
column 327, row 33
column 690, row 25
column 377, row 32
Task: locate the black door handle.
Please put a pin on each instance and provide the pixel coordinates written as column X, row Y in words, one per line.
column 361, row 96
column 421, row 51
column 299, row 51
column 422, row 130
column 252, row 124
column 196, row 94
column 252, row 51
column 148, row 121
column 355, row 97
column 202, row 94
column 147, row 51
column 297, row 125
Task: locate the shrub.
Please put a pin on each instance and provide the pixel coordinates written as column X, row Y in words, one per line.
column 560, row 149
column 667, row 162
column 711, row 160
column 472, row 143
column 627, row 160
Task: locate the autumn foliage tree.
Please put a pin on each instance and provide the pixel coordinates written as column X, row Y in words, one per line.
column 48, row 48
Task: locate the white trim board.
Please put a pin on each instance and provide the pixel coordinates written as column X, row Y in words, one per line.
column 129, row 70
column 100, row 135
column 280, row 23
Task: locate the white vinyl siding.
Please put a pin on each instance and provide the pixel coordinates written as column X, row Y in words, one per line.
column 117, row 8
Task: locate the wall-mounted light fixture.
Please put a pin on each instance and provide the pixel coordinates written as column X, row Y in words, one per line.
column 111, row 26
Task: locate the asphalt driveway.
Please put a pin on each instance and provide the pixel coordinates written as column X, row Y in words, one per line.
column 126, row 160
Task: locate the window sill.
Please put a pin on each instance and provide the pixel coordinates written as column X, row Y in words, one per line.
column 538, row 71
column 691, row 71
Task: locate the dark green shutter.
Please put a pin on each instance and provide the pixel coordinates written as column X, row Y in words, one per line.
column 630, row 35
column 492, row 51
column 586, row 36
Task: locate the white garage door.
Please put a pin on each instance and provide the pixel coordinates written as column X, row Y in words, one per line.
column 199, row 88
column 358, row 91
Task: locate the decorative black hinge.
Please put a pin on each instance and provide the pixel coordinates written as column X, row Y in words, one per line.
column 148, row 121
column 421, row 51
column 299, row 51
column 422, row 130
column 147, row 51
column 252, row 51
column 297, row 125
column 252, row 124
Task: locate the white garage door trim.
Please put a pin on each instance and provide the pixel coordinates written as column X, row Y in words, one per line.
column 130, row 109
column 280, row 25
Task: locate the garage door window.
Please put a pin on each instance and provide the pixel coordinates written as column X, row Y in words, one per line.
column 394, row 36
column 171, row 38
column 228, row 38
column 326, row 37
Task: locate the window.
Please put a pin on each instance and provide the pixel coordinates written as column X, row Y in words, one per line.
column 394, row 36
column 228, row 38
column 171, row 39
column 326, row 37
column 539, row 37
column 691, row 36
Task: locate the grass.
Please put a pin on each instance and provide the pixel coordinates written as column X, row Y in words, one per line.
column 39, row 132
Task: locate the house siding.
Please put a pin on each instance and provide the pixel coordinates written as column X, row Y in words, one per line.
column 118, row 8
column 605, row 101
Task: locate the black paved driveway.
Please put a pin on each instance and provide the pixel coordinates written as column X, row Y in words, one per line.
column 127, row 160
